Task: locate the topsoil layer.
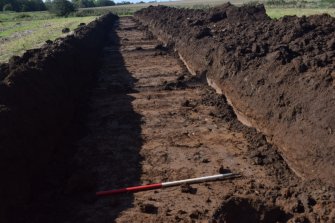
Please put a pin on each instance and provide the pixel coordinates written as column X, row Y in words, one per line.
column 278, row 75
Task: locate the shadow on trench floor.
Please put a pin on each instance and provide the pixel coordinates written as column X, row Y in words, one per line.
column 100, row 152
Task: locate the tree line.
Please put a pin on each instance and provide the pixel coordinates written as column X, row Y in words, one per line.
column 52, row 5
column 22, row 5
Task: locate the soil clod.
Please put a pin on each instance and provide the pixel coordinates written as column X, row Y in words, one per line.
column 148, row 208
column 187, row 188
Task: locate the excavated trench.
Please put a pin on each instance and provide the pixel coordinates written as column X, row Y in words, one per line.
column 145, row 114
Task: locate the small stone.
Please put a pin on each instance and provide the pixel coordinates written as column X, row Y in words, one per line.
column 331, row 44
column 203, row 33
column 195, row 214
column 186, row 103
column 287, row 193
column 223, row 170
column 148, row 208
column 311, row 201
column 206, row 161
column 186, row 188
column 300, row 219
column 255, row 48
column 258, row 161
column 298, row 208
column 181, row 78
column 181, row 212
column 65, row 30
column 299, row 66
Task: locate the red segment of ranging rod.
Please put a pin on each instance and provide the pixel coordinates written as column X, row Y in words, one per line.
column 166, row 184
column 129, row 189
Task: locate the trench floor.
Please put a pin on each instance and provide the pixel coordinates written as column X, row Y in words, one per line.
column 149, row 133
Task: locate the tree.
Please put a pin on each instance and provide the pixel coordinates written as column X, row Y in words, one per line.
column 48, row 4
column 124, row 3
column 2, row 4
column 61, row 7
column 23, row 5
column 31, row 5
column 100, row 3
column 83, row 3
column 14, row 3
column 7, row 7
column 38, row 5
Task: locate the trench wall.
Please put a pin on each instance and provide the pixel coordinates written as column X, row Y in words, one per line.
column 278, row 75
column 39, row 93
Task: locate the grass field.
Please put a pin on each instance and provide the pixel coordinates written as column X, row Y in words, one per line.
column 273, row 11
column 280, row 12
column 19, row 34
column 24, row 16
column 22, row 31
column 130, row 9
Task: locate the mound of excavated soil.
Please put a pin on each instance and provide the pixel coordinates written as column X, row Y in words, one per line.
column 38, row 96
column 278, row 75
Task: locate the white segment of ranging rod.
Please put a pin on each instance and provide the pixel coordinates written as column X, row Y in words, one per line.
column 197, row 180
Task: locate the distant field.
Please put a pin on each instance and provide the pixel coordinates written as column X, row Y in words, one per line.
column 24, row 16
column 22, row 31
column 280, row 12
column 273, row 11
column 130, row 9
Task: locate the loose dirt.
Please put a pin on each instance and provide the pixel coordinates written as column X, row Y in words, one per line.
column 147, row 120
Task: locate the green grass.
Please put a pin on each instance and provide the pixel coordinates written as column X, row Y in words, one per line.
column 273, row 11
column 280, row 12
column 24, row 16
column 21, row 35
column 127, row 10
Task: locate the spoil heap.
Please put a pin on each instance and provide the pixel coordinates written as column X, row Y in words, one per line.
column 278, row 75
column 39, row 93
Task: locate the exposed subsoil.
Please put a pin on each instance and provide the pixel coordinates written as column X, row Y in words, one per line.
column 148, row 120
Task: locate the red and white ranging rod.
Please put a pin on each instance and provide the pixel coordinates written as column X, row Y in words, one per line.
column 166, row 184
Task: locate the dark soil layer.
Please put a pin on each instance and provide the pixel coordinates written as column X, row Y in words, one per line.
column 39, row 93
column 278, row 75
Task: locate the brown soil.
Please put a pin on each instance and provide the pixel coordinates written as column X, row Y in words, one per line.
column 148, row 120
column 277, row 74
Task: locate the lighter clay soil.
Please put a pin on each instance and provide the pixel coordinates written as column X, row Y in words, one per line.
column 180, row 140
